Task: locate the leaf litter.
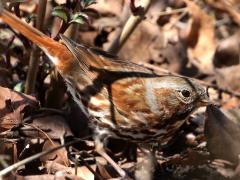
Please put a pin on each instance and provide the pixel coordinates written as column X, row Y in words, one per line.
column 199, row 39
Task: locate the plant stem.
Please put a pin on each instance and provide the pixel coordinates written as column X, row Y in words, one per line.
column 128, row 28
column 34, row 58
column 35, row 156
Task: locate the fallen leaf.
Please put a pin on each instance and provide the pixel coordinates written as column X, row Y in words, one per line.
column 200, row 38
column 55, row 126
column 29, row 6
column 222, row 135
column 106, row 171
column 13, row 105
column 224, row 168
column 228, row 78
column 148, row 39
column 82, row 172
column 228, row 7
column 228, row 51
column 58, row 176
column 60, row 156
column 111, row 7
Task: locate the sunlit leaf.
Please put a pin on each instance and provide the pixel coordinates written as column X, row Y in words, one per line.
column 61, row 12
column 86, row 3
column 80, row 18
column 19, row 87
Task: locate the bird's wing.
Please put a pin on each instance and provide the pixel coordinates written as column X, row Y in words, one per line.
column 92, row 61
column 119, row 85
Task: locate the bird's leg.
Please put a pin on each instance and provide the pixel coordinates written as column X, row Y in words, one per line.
column 99, row 148
column 147, row 166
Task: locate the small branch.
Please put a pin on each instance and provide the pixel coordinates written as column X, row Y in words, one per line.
column 171, row 12
column 97, row 175
column 129, row 27
column 34, row 58
column 47, row 137
column 3, row 161
column 72, row 31
column 34, row 157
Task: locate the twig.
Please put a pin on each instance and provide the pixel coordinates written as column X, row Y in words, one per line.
column 128, row 29
column 97, row 175
column 49, row 139
column 36, row 156
column 34, row 59
column 173, row 11
column 3, row 161
column 172, row 24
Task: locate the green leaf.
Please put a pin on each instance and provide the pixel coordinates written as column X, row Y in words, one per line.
column 19, row 87
column 61, row 12
column 87, row 3
column 80, row 18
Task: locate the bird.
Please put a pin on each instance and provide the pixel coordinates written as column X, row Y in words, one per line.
column 120, row 98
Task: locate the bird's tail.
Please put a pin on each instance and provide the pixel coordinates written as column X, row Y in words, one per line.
column 56, row 51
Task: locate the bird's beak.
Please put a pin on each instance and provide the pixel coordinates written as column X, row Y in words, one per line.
column 204, row 100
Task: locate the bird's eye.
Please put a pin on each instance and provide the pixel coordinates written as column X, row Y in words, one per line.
column 185, row 93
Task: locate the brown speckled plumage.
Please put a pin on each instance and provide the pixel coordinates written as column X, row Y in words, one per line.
column 129, row 101
column 120, row 98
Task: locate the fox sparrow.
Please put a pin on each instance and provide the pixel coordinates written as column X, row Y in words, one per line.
column 127, row 100
column 120, row 98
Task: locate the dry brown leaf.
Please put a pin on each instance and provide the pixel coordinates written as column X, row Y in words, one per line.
column 56, row 128
column 53, row 167
column 227, row 6
column 143, row 44
column 229, row 78
column 12, row 107
column 228, row 51
column 58, row 176
column 225, row 168
column 28, row 6
column 82, row 172
column 230, row 103
column 106, row 171
column 200, row 38
column 109, row 7
column 59, row 156
column 222, row 135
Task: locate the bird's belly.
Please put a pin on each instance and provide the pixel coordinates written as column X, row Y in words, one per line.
column 139, row 135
